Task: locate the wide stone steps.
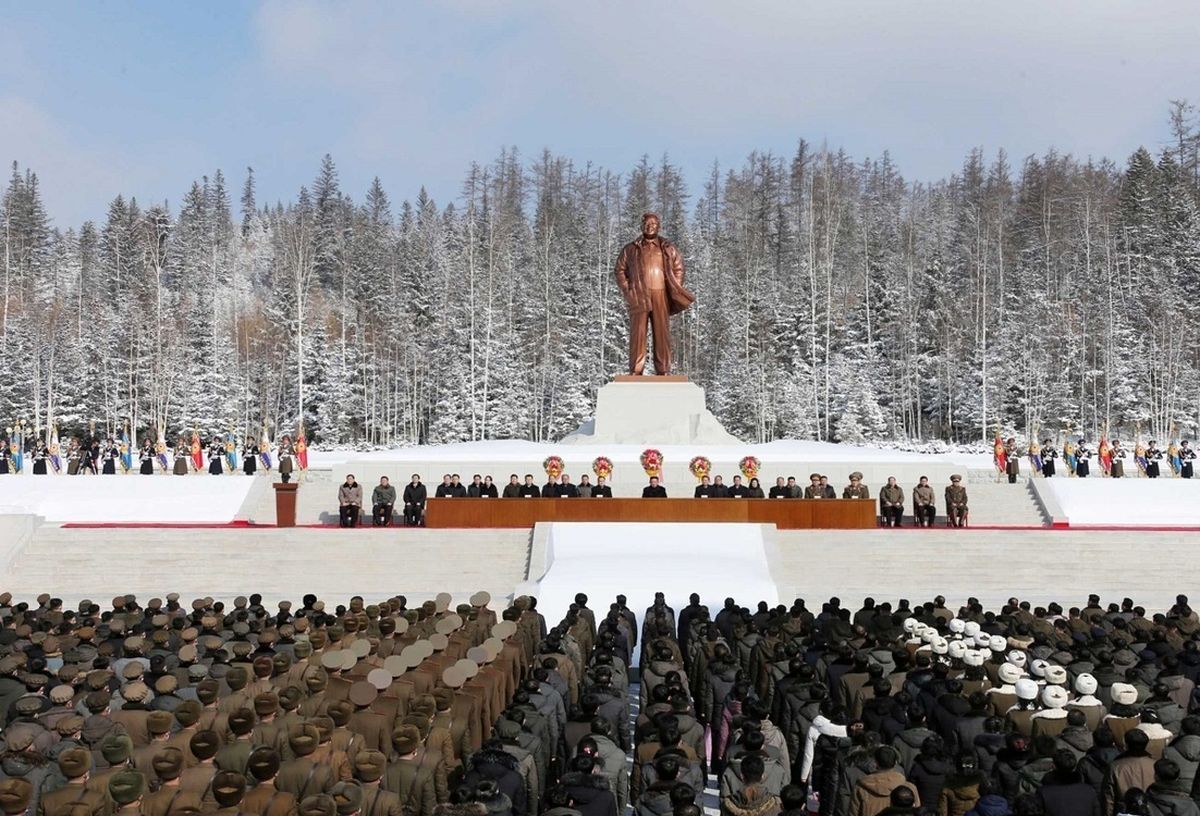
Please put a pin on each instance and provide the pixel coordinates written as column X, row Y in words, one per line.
column 992, row 565
column 73, row 563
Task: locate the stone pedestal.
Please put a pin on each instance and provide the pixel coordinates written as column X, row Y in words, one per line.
column 652, row 411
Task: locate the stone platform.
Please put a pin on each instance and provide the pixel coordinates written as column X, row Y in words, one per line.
column 634, row 410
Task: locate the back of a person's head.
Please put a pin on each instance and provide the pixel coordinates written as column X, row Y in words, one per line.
column 1166, row 772
column 886, row 757
column 582, row 763
column 967, row 764
column 1136, row 741
column 667, row 767
column 933, row 747
column 753, row 768
column 1064, row 761
column 682, row 794
column 557, row 797
column 915, row 715
column 902, row 797
column 1191, row 725
column 1076, row 718
column 686, row 809
column 1135, row 803
column 793, row 797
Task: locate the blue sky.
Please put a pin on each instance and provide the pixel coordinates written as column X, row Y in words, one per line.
column 141, row 98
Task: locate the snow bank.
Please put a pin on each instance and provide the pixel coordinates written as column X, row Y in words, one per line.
column 1128, row 502
column 128, row 498
column 510, row 450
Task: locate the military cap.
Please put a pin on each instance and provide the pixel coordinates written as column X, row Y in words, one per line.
column 228, row 788
column 856, row 475
column 126, row 787
column 61, row 695
column 348, row 797
column 303, row 739
column 15, row 795
column 75, row 762
column 369, row 765
column 187, row 713
column 362, row 694
column 320, row 805
column 332, row 660
column 97, row 701
column 324, row 727
column 135, row 692
column 35, row 680
column 339, row 711
column 290, row 698
column 406, row 739
column 236, row 678
column 207, row 691
column 381, row 679
column 264, row 665
column 70, row 724
column 241, row 649
column 481, row 599
column 955, row 478
column 263, row 763
column 20, row 736
column 167, row 684
column 266, row 704
column 28, row 706
column 443, row 697
column 159, row 722
column 504, row 629
column 168, row 764
column 241, row 722
column 315, row 680
column 303, row 648
column 205, row 744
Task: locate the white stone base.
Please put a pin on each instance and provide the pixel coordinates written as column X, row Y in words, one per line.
column 651, row 412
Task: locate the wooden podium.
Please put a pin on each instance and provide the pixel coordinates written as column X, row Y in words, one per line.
column 786, row 514
column 285, row 503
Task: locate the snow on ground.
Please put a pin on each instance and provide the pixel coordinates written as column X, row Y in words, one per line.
column 1128, row 502
column 125, row 498
column 509, row 450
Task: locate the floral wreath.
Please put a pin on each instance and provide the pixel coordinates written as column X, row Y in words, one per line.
column 700, row 467
column 553, row 465
column 602, row 466
column 749, row 466
column 652, row 461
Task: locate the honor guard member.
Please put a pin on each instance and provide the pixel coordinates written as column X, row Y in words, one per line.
column 109, row 454
column 40, row 455
column 1049, row 454
column 1186, row 457
column 1153, row 457
column 1117, row 470
column 216, row 456
column 250, row 452
column 1083, row 456
column 146, row 458
column 1012, row 460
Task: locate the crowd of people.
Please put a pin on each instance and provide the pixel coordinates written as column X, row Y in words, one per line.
column 415, row 495
column 175, row 709
column 93, row 455
column 1077, row 453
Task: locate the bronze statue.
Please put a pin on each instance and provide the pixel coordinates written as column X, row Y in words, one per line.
column 650, row 274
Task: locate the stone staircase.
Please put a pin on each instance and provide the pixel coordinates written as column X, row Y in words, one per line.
column 75, row 563
column 316, row 500
column 1004, row 504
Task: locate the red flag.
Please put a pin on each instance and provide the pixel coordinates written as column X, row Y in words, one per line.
column 1105, row 454
column 302, row 448
column 197, row 453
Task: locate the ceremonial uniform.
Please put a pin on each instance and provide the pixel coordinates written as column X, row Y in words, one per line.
column 108, row 461
column 1153, row 457
column 1186, row 458
column 1049, row 454
column 40, row 454
column 1117, row 469
column 1082, row 464
column 146, row 458
column 250, row 453
column 956, row 503
column 216, row 458
column 182, row 457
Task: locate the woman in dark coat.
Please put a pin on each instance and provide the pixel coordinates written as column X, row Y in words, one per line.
column 183, row 455
column 108, row 456
column 216, row 456
column 40, row 454
column 146, row 458
column 250, row 453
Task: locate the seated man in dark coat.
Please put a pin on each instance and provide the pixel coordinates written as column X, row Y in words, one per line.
column 654, row 490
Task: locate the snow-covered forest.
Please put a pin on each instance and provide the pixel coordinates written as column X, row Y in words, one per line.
column 836, row 300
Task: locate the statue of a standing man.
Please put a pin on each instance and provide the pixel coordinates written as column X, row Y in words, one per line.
column 650, row 274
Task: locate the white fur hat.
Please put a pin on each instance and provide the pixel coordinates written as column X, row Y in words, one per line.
column 1124, row 693
column 1054, row 696
column 973, row 657
column 1086, row 684
column 957, row 626
column 1016, row 658
column 1055, row 675
column 1009, row 674
column 929, row 634
column 940, row 646
column 1026, row 688
column 957, row 649
column 910, row 625
column 997, row 643
column 983, row 640
column 971, row 628
column 1037, row 666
